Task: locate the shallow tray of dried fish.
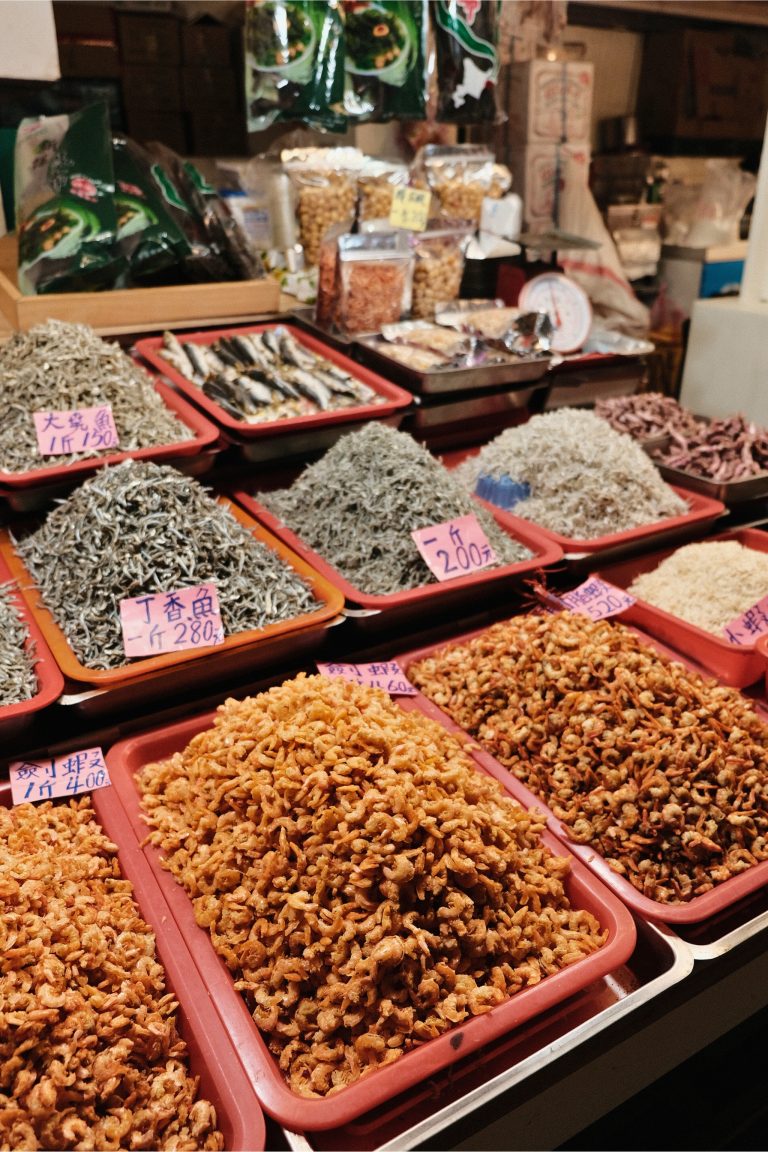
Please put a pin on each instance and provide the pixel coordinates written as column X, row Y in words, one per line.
column 17, row 718
column 515, row 373
column 731, row 492
column 443, row 1052
column 211, row 1056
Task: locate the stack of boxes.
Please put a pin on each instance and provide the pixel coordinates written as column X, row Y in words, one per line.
column 212, row 88
column 150, row 51
column 550, row 115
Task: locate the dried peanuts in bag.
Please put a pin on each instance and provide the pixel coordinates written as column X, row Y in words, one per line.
column 330, row 199
column 438, row 267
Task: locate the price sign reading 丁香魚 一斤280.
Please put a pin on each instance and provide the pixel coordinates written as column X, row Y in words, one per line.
column 171, row 621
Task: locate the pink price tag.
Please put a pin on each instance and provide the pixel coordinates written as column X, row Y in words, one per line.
column 387, row 675
column 746, row 628
column 59, row 433
column 48, row 779
column 597, row 599
column 454, row 548
column 171, row 621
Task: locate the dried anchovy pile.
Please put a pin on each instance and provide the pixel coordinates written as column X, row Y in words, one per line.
column 586, row 480
column 661, row 771
column 59, row 366
column 18, row 680
column 365, row 883
column 646, row 415
column 90, row 1056
column 140, row 528
column 720, row 450
column 357, row 506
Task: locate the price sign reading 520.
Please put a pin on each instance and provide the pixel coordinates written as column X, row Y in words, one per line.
column 454, row 548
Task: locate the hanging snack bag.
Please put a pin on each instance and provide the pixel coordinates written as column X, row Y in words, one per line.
column 374, row 277
column 461, row 176
column 466, row 44
column 65, row 213
column 147, row 234
column 293, row 66
column 438, row 264
column 385, row 59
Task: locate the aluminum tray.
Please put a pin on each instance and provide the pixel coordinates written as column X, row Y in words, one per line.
column 729, row 491
column 660, row 960
column 211, row 1055
column 305, row 318
column 516, row 373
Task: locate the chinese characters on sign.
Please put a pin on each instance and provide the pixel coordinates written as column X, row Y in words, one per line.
column 597, row 599
column 59, row 433
column 410, row 209
column 387, row 675
column 171, row 621
column 71, row 775
column 746, row 628
column 454, row 548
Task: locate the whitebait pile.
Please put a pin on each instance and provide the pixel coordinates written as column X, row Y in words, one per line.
column 17, row 667
column 357, row 506
column 141, row 528
column 58, row 366
column 585, row 479
column 707, row 584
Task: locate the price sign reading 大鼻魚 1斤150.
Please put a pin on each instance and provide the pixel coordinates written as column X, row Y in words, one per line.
column 454, row 548
column 597, row 599
column 53, row 777
column 387, row 675
column 171, row 621
column 61, row 432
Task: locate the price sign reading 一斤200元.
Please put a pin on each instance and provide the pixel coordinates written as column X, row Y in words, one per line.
column 49, row 778
column 454, row 548
column 171, row 621
column 79, row 430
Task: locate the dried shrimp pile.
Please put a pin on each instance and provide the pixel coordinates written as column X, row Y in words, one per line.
column 357, row 506
column 140, row 528
column 662, row 772
column 585, row 479
column 58, row 366
column 366, row 885
column 90, row 1056
column 18, row 680
column 707, row 584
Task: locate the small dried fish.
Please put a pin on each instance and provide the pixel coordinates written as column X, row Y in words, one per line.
column 141, row 528
column 18, row 680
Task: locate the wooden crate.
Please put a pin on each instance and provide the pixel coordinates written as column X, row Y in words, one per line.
column 134, row 309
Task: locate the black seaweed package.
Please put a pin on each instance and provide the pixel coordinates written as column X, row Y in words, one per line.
column 65, row 212
column 466, row 45
column 147, row 234
column 385, row 59
column 293, row 68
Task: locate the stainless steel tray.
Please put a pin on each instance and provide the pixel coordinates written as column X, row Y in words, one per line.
column 305, row 317
column 719, row 934
column 729, row 491
column 517, row 372
column 660, row 960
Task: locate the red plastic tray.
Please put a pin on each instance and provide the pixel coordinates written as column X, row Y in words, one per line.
column 702, row 511
column 211, row 1055
column 736, row 664
column 694, row 911
column 277, row 1098
column 14, row 718
column 205, row 434
column 396, row 399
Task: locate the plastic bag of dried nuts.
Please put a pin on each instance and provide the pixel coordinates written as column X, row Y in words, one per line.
column 438, row 264
column 374, row 277
column 462, row 176
column 324, row 182
column 376, row 187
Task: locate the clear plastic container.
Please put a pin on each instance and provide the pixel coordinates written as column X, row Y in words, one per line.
column 375, row 280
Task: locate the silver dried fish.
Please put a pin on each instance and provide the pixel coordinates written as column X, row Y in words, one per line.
column 18, row 680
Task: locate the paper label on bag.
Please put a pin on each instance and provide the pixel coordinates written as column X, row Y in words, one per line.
column 52, row 777
column 82, row 429
column 171, row 621
column 387, row 675
column 410, row 208
column 454, row 548
column 746, row 628
column 597, row 599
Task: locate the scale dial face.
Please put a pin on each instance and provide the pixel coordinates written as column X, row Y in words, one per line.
column 566, row 304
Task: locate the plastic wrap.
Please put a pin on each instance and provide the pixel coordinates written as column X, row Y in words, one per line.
column 461, row 176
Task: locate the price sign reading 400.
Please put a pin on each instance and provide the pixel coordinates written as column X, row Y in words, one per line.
column 454, row 548
column 48, row 779
column 171, row 621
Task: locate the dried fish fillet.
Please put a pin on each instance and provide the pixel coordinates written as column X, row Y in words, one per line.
column 18, row 680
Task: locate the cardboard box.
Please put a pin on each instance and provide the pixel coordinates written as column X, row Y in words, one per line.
column 151, row 89
column 550, row 102
column 214, row 88
column 217, row 132
column 167, row 127
column 207, row 44
column 152, row 39
column 84, row 18
column 83, row 59
column 538, row 175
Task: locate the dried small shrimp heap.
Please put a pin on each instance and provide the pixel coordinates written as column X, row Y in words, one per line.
column 357, row 506
column 662, row 772
column 90, row 1056
column 18, row 680
column 366, row 885
column 140, row 528
column 586, row 480
column 58, row 366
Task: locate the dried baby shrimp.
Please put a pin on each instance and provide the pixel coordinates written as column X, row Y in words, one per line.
column 18, row 680
column 586, row 480
column 661, row 771
column 90, row 1055
column 365, row 884
column 357, row 507
column 140, row 528
column 58, row 366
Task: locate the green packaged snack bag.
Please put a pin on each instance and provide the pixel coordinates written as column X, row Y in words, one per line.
column 65, row 213
column 147, row 235
column 466, row 45
column 385, row 59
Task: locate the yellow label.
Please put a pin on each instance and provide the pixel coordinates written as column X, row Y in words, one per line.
column 410, row 209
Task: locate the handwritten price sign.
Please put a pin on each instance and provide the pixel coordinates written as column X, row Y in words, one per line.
column 746, row 628
column 388, row 676
column 59, row 433
column 454, row 548
column 171, row 621
column 49, row 779
column 597, row 599
column 410, row 209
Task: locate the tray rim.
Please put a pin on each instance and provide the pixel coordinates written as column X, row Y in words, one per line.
column 447, row 380
column 50, row 682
